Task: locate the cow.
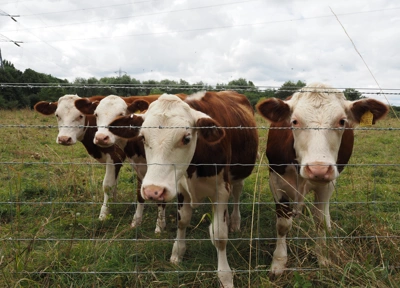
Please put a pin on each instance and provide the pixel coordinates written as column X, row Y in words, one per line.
column 105, row 111
column 309, row 143
column 194, row 152
column 75, row 126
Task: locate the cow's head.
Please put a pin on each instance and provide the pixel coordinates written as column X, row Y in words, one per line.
column 313, row 112
column 105, row 112
column 170, row 129
column 70, row 120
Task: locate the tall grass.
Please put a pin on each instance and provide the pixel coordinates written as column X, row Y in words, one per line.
column 50, row 197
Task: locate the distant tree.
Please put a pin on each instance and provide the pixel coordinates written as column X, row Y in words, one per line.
column 239, row 85
column 151, row 87
column 200, row 86
column 241, row 82
column 352, row 94
column 11, row 97
column 170, row 86
column 288, row 88
column 93, row 90
column 107, row 81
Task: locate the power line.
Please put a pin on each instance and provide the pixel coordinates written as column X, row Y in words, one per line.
column 6, row 39
column 189, row 30
column 2, row 13
column 135, row 16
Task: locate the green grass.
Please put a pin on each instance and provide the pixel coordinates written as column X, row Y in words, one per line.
column 50, row 197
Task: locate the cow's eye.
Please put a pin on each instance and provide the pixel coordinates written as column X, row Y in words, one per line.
column 295, row 122
column 186, row 139
column 80, row 116
column 95, row 115
column 342, row 122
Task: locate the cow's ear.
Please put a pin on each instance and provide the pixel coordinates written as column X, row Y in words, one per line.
column 46, row 108
column 360, row 107
column 86, row 106
column 273, row 109
column 138, row 105
column 126, row 126
column 210, row 130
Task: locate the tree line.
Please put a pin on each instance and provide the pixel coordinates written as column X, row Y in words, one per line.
column 25, row 96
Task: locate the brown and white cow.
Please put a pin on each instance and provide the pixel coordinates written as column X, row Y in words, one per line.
column 74, row 126
column 191, row 155
column 310, row 154
column 105, row 111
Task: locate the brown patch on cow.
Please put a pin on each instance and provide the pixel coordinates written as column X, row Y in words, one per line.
column 138, row 105
column 280, row 147
column 238, row 145
column 132, row 122
column 138, row 188
column 210, row 130
column 181, row 198
column 284, row 208
column 345, row 149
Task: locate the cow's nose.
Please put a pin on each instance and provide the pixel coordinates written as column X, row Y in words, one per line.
column 318, row 171
column 153, row 192
column 64, row 140
column 102, row 139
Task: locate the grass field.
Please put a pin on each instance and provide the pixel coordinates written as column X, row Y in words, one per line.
column 50, row 197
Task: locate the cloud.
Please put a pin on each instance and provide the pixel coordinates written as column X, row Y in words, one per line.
column 266, row 42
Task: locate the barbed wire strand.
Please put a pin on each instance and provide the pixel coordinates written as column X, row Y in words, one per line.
column 203, row 86
column 361, row 128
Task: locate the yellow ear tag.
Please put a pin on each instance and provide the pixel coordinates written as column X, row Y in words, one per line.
column 366, row 119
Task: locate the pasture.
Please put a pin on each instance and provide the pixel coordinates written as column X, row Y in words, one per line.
column 50, row 197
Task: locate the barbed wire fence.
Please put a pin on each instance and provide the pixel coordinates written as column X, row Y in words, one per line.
column 203, row 86
column 83, row 229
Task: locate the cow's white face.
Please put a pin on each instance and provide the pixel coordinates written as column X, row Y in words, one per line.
column 169, row 151
column 70, row 121
column 315, row 142
column 108, row 109
column 319, row 115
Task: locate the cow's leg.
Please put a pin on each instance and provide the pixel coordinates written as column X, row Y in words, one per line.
column 235, row 216
column 184, row 216
column 160, row 224
column 283, row 225
column 109, row 186
column 323, row 220
column 137, row 218
column 284, row 218
column 219, row 236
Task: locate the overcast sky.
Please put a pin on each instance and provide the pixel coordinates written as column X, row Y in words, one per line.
column 347, row 44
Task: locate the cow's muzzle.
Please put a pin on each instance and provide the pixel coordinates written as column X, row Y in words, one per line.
column 153, row 192
column 320, row 172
